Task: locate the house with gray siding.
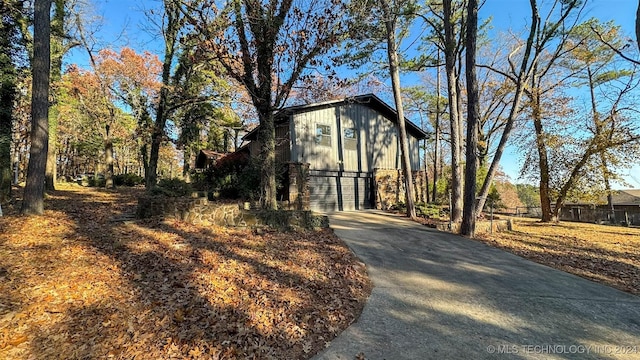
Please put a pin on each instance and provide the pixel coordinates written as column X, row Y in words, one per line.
column 344, row 142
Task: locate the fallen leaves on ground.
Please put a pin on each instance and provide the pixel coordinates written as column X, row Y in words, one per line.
column 76, row 284
column 602, row 253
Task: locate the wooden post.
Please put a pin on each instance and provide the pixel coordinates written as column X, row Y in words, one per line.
column 626, row 219
column 450, row 213
column 491, row 221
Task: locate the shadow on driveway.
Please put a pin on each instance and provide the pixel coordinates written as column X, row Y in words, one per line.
column 441, row 296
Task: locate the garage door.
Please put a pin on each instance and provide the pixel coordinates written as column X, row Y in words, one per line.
column 339, row 190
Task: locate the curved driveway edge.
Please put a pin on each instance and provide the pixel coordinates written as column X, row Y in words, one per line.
column 441, row 296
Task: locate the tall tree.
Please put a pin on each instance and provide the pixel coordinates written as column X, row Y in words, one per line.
column 57, row 52
column 172, row 26
column 468, row 226
column 33, row 202
column 575, row 158
column 453, row 47
column 437, row 132
column 420, row 101
column 544, row 39
column 62, row 42
column 200, row 101
column 383, row 23
column 266, row 47
column 593, row 61
column 390, row 18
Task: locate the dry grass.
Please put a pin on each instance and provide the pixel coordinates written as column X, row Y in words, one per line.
column 75, row 284
column 605, row 254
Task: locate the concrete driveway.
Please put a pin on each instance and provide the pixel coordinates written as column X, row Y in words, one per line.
column 441, row 296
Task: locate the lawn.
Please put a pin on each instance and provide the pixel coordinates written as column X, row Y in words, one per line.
column 605, row 254
column 83, row 281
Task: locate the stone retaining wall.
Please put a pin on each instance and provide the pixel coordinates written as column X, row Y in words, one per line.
column 201, row 211
column 389, row 187
column 481, row 226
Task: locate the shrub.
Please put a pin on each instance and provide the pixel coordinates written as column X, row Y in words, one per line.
column 97, row 181
column 128, row 180
column 172, row 188
column 428, row 210
column 248, row 184
column 398, row 207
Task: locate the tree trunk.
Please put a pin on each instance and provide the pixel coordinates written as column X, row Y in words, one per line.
column 156, row 139
column 108, row 158
column 452, row 88
column 468, row 226
column 33, row 202
column 144, row 155
column 427, row 191
column 543, row 162
column 57, row 52
column 267, row 139
column 397, row 95
column 16, row 166
column 638, row 25
column 7, row 97
column 51, row 171
column 603, row 161
column 186, row 167
column 172, row 18
column 436, row 150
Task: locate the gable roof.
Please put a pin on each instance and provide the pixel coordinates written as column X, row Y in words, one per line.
column 208, row 157
column 369, row 100
column 630, row 197
column 626, row 197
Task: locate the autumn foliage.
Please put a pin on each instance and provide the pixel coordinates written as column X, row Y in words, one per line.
column 86, row 281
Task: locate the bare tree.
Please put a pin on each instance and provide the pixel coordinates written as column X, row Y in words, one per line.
column 544, row 38
column 266, row 47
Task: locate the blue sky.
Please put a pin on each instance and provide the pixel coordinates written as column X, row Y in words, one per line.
column 124, row 24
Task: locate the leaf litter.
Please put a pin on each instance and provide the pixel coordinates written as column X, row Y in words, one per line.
column 74, row 284
column 602, row 253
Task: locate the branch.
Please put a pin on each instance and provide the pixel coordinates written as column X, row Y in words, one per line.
column 613, row 48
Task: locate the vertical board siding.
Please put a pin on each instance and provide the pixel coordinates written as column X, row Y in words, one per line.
column 378, row 142
column 306, row 149
column 351, row 115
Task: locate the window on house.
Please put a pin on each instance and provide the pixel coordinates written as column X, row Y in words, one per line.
column 323, row 135
column 350, row 139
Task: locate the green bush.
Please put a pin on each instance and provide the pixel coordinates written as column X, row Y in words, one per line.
column 248, row 182
column 428, row 210
column 97, row 181
column 237, row 179
column 402, row 207
column 172, row 188
column 128, row 180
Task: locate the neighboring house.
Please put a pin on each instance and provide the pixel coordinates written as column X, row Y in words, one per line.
column 208, row 158
column 626, row 209
column 344, row 142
